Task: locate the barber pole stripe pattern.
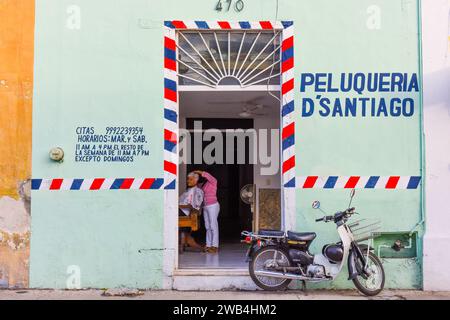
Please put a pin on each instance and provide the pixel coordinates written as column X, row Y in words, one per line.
column 358, row 182
column 287, row 110
column 226, row 25
column 98, row 184
column 170, row 109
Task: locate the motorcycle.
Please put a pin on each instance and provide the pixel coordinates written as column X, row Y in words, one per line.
column 277, row 257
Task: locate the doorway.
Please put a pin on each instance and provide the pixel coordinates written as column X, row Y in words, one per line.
column 241, row 116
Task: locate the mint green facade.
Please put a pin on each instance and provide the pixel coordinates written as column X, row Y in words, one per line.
column 109, row 72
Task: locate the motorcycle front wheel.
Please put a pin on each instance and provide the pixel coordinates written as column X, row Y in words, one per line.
column 269, row 259
column 374, row 283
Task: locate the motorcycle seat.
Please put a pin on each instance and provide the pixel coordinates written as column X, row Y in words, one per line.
column 301, row 236
column 271, row 233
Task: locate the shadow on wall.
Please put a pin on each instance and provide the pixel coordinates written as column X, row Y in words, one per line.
column 436, row 88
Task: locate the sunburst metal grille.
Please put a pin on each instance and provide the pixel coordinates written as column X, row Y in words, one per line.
column 217, row 58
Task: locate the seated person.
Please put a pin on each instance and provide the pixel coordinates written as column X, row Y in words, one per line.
column 190, row 201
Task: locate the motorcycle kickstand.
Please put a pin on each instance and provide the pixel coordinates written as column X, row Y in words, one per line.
column 304, row 287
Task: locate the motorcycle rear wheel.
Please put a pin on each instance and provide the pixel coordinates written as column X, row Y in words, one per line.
column 266, row 256
column 375, row 283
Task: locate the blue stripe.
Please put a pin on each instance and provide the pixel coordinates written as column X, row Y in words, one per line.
column 288, row 142
column 287, row 54
column 287, row 24
column 202, row 24
column 169, row 24
column 372, row 182
column 170, row 186
column 287, row 108
column 244, row 24
column 36, row 184
column 116, row 184
column 290, row 183
column 170, row 54
column 170, row 115
column 169, row 146
column 413, row 182
column 157, row 183
column 331, row 182
column 170, row 84
column 76, row 184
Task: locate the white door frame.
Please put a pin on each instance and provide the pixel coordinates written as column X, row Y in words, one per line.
column 171, row 128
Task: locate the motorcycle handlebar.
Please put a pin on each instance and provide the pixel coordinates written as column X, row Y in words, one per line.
column 325, row 218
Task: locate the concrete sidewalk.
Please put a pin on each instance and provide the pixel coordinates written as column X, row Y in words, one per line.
column 219, row 295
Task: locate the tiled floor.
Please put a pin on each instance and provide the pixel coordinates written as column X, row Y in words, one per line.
column 229, row 256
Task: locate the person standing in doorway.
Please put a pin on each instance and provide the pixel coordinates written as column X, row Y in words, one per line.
column 211, row 210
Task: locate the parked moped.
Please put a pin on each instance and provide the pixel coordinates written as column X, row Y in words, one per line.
column 276, row 258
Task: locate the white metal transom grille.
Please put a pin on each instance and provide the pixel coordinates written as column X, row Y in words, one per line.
column 225, row 58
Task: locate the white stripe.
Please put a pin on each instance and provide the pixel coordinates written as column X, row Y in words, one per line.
column 213, row 25
column 67, row 183
column 381, row 183
column 86, row 184
column 45, row 184
column 341, row 181
column 170, row 74
column 190, row 24
column 300, row 181
column 288, row 32
column 137, row 183
column 403, row 182
column 107, row 183
column 362, row 182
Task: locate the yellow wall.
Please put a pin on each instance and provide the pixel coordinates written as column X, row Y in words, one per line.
column 16, row 91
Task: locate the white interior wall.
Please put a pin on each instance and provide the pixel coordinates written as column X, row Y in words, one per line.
column 436, row 89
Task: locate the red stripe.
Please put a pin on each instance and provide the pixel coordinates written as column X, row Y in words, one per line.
column 56, row 184
column 392, row 182
column 170, row 43
column 287, row 65
column 147, row 183
column 288, row 131
column 170, row 95
column 351, row 183
column 170, row 167
column 170, row 136
column 288, row 43
column 266, row 25
column 170, row 64
column 224, row 24
column 126, row 184
column 310, row 182
column 288, row 164
column 97, row 184
column 178, row 24
column 287, row 86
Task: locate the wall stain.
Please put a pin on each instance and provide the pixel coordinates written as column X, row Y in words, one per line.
column 16, row 92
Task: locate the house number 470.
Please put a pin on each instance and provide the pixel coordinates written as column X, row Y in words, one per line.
column 238, row 5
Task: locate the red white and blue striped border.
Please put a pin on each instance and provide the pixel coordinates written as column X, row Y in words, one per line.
column 99, row 184
column 227, row 25
column 305, row 182
column 287, row 108
column 170, row 109
column 358, row 182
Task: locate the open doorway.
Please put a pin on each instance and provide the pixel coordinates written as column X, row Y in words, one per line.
column 239, row 117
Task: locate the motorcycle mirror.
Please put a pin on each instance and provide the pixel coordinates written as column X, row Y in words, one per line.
column 316, row 204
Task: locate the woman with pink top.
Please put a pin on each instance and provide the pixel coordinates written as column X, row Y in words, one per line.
column 211, row 210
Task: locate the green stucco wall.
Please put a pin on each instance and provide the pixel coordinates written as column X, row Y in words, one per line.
column 110, row 73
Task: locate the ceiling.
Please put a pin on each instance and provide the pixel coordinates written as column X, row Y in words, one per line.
column 227, row 104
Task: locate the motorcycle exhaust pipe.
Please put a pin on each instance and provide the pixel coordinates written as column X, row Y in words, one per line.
column 281, row 275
